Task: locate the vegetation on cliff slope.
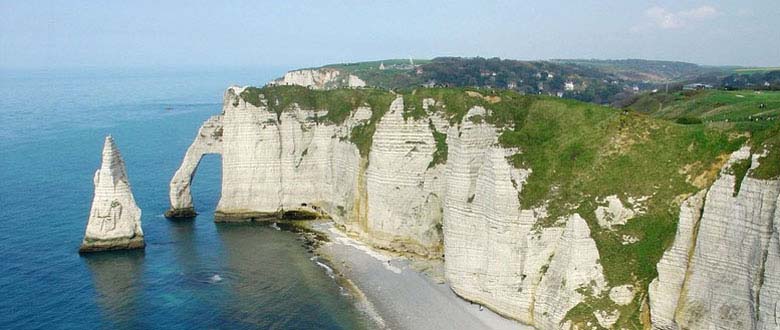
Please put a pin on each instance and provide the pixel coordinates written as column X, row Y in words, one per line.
column 752, row 113
column 581, row 152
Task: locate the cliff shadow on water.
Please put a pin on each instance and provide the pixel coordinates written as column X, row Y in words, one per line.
column 275, row 270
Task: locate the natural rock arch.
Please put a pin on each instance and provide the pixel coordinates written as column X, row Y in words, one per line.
column 208, row 141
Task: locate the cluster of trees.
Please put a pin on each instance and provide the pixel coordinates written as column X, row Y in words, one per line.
column 596, row 81
column 532, row 77
column 768, row 80
column 636, row 69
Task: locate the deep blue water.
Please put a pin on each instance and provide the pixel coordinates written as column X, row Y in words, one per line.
column 193, row 274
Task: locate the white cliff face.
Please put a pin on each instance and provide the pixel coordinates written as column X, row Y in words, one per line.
column 289, row 162
column 398, row 199
column 728, row 259
column 404, row 193
column 114, row 219
column 276, row 165
column 665, row 290
column 324, row 78
column 493, row 254
column 769, row 291
column 720, row 273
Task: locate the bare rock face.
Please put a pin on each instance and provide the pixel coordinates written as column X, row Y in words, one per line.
column 292, row 165
column 722, row 272
column 324, row 78
column 665, row 290
column 114, row 220
column 769, row 292
column 404, row 201
column 495, row 253
column 622, row 295
column 614, row 213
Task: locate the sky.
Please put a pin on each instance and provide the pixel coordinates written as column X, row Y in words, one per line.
column 141, row 33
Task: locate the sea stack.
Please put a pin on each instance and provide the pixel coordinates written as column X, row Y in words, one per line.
column 114, row 220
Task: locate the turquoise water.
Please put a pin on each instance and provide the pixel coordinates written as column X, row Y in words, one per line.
column 193, row 274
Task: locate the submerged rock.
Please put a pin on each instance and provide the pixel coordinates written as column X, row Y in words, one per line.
column 114, row 220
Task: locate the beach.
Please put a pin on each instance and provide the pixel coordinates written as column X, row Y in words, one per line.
column 396, row 293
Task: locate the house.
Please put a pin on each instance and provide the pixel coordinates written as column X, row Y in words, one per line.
column 635, row 88
column 696, row 86
column 382, row 66
column 486, row 73
column 569, row 86
column 511, row 85
column 559, row 94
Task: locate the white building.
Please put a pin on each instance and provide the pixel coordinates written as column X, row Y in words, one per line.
column 569, row 86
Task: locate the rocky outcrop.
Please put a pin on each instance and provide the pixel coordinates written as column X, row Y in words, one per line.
column 404, row 201
column 114, row 219
column 721, row 272
column 323, row 78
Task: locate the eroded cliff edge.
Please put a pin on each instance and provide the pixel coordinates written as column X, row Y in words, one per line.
column 551, row 212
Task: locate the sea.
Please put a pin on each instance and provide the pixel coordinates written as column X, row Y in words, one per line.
column 193, row 274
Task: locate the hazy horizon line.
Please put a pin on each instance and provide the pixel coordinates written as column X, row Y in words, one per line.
column 279, row 66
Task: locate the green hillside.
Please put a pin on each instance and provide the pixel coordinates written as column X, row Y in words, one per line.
column 647, row 70
column 711, row 105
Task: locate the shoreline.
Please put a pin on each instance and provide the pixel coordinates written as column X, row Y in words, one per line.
column 398, row 292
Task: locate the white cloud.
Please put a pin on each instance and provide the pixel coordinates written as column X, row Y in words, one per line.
column 663, row 18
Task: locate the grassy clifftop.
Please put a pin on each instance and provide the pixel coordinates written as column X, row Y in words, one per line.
column 753, row 113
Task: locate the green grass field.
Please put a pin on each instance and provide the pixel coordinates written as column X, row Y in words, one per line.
column 711, row 105
column 756, row 70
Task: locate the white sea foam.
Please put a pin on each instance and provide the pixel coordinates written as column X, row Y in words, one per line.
column 328, row 270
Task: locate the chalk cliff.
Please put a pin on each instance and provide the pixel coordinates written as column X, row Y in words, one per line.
column 114, row 219
column 467, row 207
column 323, row 78
column 722, row 272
